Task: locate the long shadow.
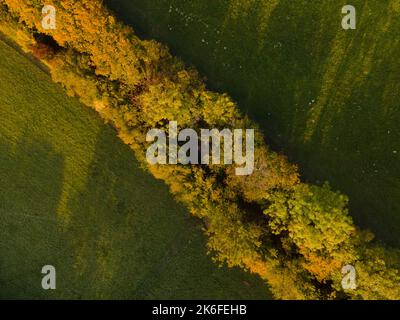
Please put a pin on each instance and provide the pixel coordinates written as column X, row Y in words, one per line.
column 31, row 178
column 130, row 239
column 325, row 97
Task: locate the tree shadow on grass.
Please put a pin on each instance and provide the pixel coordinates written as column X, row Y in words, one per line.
column 130, row 239
column 31, row 178
column 326, row 97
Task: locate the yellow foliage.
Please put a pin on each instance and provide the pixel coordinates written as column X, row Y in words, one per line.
column 136, row 85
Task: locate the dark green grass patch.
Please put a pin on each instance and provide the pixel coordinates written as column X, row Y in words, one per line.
column 328, row 98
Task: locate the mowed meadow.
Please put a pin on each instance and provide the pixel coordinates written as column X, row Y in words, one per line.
column 326, row 97
column 72, row 195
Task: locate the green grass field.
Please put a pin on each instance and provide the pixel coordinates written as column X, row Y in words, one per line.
column 73, row 196
column 328, row 98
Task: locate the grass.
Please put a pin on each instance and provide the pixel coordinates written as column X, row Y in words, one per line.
column 328, row 98
column 72, row 195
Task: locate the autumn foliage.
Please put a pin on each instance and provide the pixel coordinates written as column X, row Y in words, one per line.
column 296, row 236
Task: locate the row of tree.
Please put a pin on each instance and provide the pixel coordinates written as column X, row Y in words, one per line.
column 294, row 235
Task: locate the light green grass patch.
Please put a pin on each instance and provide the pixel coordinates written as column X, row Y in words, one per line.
column 72, row 195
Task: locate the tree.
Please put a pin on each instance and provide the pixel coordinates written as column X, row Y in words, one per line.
column 314, row 222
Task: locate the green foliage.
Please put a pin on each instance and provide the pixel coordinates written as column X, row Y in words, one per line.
column 378, row 275
column 168, row 100
column 314, row 222
column 234, row 241
column 315, row 218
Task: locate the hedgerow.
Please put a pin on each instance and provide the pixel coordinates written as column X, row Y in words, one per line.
column 296, row 236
